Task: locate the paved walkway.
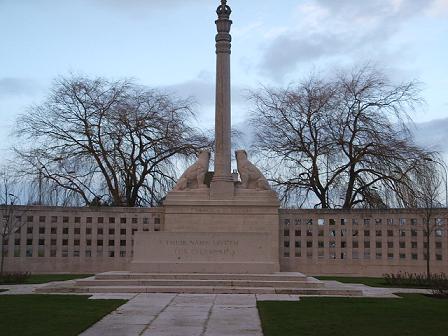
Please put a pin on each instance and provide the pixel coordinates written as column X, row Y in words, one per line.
column 192, row 314
column 182, row 315
column 176, row 314
column 28, row 289
column 376, row 292
column 20, row 289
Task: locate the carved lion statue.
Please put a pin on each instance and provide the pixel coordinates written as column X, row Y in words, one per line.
column 193, row 177
column 251, row 176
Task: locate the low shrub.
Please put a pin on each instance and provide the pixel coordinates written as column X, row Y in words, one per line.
column 14, row 277
column 407, row 279
column 438, row 283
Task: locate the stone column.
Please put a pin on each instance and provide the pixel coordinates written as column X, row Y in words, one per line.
column 222, row 186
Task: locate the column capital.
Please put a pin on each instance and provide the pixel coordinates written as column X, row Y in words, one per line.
column 223, row 24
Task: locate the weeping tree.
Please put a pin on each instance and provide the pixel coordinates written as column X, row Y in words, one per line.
column 106, row 142
column 421, row 190
column 427, row 195
column 337, row 142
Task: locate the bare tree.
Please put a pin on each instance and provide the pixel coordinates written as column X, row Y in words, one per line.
column 341, row 141
column 11, row 219
column 107, row 142
column 422, row 191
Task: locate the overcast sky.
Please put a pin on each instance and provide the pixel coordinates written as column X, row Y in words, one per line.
column 170, row 44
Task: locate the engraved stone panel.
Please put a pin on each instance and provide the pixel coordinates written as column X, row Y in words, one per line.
column 202, row 247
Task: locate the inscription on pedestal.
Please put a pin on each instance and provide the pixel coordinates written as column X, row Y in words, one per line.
column 202, row 247
column 207, row 248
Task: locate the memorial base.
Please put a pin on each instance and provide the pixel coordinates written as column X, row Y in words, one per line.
column 202, row 235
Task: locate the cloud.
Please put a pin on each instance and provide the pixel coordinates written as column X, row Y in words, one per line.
column 247, row 30
column 363, row 9
column 202, row 89
column 341, row 28
column 439, row 8
column 288, row 50
column 433, row 134
column 199, row 89
column 17, row 87
column 146, row 5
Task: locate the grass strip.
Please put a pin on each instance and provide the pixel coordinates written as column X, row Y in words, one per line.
column 51, row 315
column 413, row 315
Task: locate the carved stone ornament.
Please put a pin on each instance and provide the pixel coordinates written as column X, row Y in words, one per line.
column 223, row 10
column 193, row 177
column 251, row 176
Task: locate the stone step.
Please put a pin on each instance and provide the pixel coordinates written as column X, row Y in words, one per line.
column 311, row 283
column 203, row 290
column 198, row 276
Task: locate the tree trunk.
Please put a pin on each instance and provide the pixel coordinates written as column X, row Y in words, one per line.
column 428, row 272
column 349, row 191
column 2, row 261
column 323, row 201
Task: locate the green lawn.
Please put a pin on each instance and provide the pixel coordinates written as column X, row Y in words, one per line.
column 413, row 315
column 43, row 278
column 51, row 314
column 373, row 282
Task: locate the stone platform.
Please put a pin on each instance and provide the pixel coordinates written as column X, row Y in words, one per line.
column 190, row 283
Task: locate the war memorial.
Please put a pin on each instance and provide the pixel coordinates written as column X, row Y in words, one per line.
column 226, row 237
column 230, row 227
column 220, row 257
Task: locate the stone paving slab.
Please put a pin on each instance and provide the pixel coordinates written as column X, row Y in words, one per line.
column 236, row 320
column 277, row 297
column 245, row 300
column 133, row 317
column 112, row 296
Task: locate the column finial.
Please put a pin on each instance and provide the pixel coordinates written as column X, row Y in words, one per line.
column 224, row 10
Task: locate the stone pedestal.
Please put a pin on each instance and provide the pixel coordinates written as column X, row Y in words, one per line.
column 222, row 189
column 203, row 235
